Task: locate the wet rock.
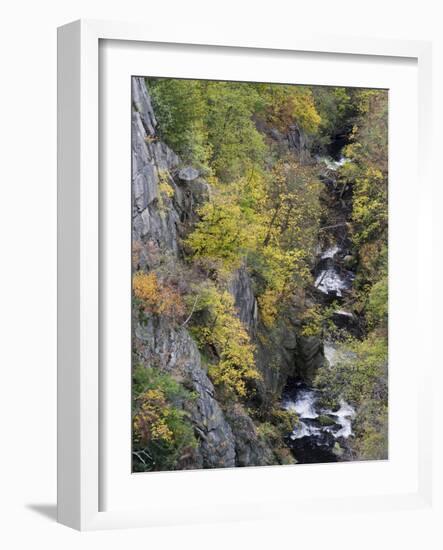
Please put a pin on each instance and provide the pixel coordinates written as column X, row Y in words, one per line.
column 275, row 349
column 325, row 420
column 295, row 141
column 348, row 260
column 334, row 281
column 298, row 143
column 309, row 357
column 276, row 134
column 290, row 340
column 346, row 320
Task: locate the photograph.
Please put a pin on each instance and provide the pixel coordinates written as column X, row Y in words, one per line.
column 223, row 255
column 259, row 274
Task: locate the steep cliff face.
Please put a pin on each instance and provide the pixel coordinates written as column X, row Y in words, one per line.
column 166, row 195
column 309, row 357
column 172, row 350
column 275, row 350
column 152, row 164
column 240, row 286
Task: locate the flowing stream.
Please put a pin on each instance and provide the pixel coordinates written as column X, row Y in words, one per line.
column 320, row 434
column 332, row 279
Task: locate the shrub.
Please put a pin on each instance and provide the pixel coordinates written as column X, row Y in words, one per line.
column 284, row 420
column 180, row 107
column 162, row 433
column 377, row 307
column 151, row 419
column 165, row 186
column 369, row 206
column 269, row 433
column 313, row 319
column 273, row 432
column 268, row 303
column 372, row 442
column 360, row 378
column 223, row 333
column 280, row 271
column 155, row 297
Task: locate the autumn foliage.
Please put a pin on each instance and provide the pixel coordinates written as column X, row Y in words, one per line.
column 162, row 433
column 150, row 421
column 265, row 215
column 224, row 334
column 155, row 297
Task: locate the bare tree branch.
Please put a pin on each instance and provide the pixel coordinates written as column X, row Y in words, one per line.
column 192, row 311
column 333, row 226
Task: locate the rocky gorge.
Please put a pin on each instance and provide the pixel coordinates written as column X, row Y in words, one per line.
column 284, row 419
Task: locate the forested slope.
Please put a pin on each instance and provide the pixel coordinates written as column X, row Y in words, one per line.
column 235, row 201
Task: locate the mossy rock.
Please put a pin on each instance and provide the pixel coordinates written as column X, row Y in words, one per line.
column 338, row 450
column 325, row 420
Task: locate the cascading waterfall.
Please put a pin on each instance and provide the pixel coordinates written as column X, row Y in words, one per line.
column 332, row 280
column 318, row 429
column 321, row 433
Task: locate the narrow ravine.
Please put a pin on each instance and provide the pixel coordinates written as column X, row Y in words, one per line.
column 259, row 274
column 321, row 434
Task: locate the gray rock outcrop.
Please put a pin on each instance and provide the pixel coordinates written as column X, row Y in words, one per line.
column 240, row 287
column 188, row 174
column 172, row 350
column 154, row 218
column 309, row 357
column 250, row 450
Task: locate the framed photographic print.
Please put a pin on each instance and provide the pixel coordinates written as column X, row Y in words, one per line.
column 233, row 273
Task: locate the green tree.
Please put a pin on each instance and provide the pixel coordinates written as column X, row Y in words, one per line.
column 287, row 105
column 234, row 138
column 360, row 378
column 180, row 107
column 162, row 432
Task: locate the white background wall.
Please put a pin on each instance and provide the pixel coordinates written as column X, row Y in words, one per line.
column 28, row 268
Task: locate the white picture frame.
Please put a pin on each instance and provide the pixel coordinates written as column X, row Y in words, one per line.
column 80, row 421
